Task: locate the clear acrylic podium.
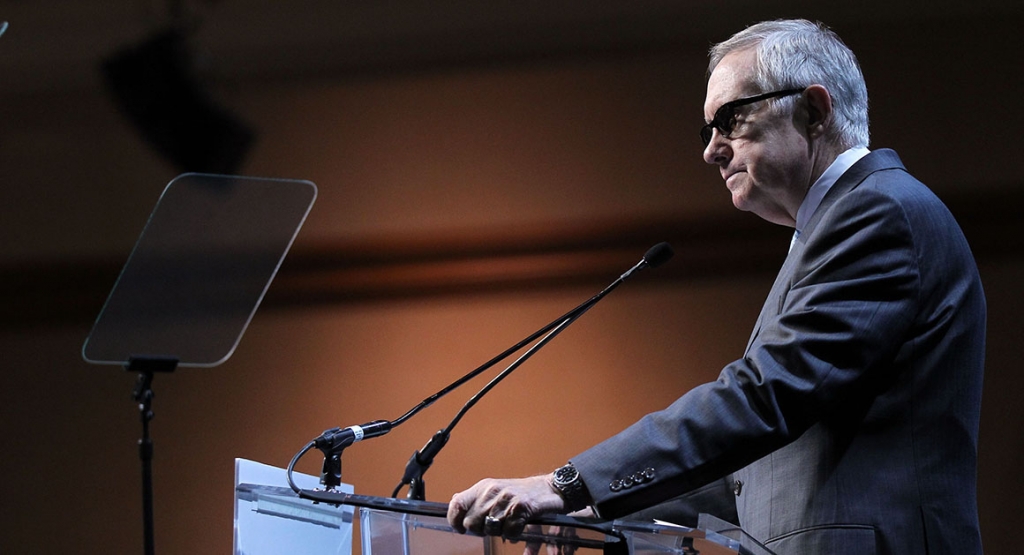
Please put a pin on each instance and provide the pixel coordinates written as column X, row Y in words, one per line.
column 391, row 533
column 402, row 527
column 271, row 519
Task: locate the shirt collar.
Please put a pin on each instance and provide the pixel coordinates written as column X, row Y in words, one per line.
column 825, row 182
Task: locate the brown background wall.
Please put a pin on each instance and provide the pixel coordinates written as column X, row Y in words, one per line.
column 462, row 205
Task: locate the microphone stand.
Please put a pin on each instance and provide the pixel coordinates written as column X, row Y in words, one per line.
column 333, row 441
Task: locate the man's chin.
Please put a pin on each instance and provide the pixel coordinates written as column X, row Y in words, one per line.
column 740, row 201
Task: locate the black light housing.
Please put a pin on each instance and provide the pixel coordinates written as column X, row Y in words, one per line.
column 155, row 85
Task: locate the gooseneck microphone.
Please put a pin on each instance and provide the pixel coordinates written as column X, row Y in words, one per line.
column 332, row 442
column 422, row 459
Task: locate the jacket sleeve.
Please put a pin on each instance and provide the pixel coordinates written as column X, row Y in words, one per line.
column 828, row 330
column 715, row 498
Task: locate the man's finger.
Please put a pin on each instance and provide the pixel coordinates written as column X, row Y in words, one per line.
column 456, row 514
column 514, row 526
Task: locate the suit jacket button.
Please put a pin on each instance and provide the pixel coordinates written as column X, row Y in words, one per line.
column 616, row 485
column 649, row 473
column 627, row 482
column 737, row 487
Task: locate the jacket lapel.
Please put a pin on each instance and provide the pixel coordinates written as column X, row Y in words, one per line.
column 882, row 159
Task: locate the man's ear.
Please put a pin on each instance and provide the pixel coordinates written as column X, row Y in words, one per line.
column 819, row 109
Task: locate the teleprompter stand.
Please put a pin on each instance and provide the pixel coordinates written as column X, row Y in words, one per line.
column 192, row 284
column 143, row 395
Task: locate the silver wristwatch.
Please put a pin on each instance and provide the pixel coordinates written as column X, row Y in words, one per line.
column 569, row 484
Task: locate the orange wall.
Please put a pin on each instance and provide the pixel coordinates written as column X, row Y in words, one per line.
column 574, row 142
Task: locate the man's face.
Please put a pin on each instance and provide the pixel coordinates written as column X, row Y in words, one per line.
column 766, row 160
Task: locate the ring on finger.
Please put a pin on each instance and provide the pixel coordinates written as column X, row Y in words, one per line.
column 492, row 525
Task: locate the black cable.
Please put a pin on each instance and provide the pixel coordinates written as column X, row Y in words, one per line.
column 291, row 467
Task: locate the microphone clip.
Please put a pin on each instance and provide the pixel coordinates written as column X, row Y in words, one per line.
column 331, row 443
column 418, row 464
column 334, row 440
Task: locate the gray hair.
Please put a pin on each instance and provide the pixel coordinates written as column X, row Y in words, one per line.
column 798, row 53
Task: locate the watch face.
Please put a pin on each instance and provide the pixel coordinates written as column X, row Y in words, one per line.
column 566, row 475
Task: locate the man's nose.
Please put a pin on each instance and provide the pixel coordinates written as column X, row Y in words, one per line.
column 717, row 152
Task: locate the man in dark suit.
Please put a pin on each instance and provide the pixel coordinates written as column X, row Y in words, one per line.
column 850, row 423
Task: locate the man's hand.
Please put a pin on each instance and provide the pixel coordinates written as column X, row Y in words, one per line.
column 502, row 507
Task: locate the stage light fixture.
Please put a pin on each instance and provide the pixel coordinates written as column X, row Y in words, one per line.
column 156, row 86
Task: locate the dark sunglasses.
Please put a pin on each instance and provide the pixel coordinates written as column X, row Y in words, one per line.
column 725, row 116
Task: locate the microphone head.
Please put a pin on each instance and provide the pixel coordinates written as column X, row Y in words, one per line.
column 658, row 255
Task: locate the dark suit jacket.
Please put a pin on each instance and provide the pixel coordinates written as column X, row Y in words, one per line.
column 851, row 422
